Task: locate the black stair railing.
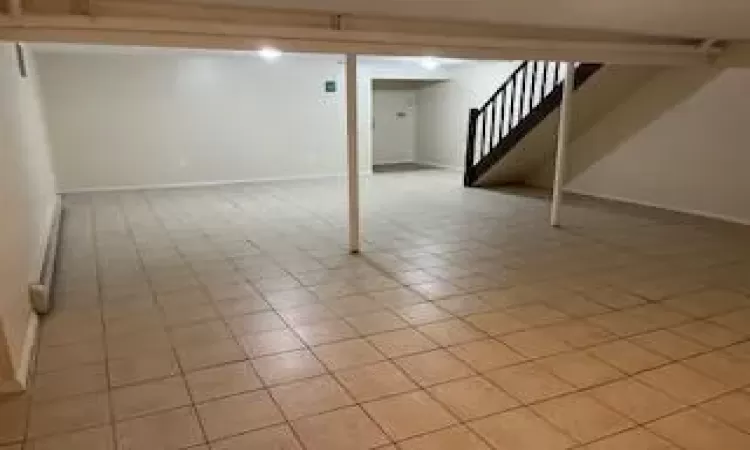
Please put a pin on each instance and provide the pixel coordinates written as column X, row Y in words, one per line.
column 526, row 97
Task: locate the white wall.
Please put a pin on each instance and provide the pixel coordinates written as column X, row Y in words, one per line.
column 394, row 137
column 444, row 111
column 27, row 196
column 694, row 158
column 170, row 117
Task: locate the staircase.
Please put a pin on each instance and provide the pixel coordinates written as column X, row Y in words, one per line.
column 529, row 95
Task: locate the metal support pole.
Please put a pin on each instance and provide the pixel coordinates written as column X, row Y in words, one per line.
column 352, row 153
column 562, row 143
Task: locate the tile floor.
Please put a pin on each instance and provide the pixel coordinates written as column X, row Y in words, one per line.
column 232, row 318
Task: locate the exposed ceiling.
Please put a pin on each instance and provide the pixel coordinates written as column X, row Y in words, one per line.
column 723, row 19
column 618, row 31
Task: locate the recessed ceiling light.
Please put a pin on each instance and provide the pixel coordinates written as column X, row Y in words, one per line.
column 430, row 63
column 269, row 53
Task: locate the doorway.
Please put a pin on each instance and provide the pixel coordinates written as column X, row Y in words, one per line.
column 394, row 134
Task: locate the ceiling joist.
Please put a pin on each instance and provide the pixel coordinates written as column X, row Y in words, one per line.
column 14, row 7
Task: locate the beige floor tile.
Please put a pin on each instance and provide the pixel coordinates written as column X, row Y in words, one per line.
column 154, row 366
column 486, row 355
column 200, row 356
column 638, row 438
column 137, row 344
column 520, row 429
column 536, row 343
column 278, row 437
column 233, row 307
column 536, row 314
column 437, row 290
column 450, row 332
column 682, row 383
column 708, row 333
column 353, row 305
column 733, row 408
column 69, row 414
column 347, row 354
column 668, row 344
column 171, row 268
column 141, row 324
column 579, row 333
column 291, row 298
column 636, row 400
column 287, row 367
column 169, row 430
column 627, row 356
column 437, row 366
column 149, row 397
column 706, row 303
column 496, row 323
column 463, row 305
column 374, row 381
column 343, row 429
column 449, row 439
column 99, row 438
column 582, row 417
column 580, row 369
column 529, row 382
column 200, row 333
column 472, row 398
column 270, row 343
column 13, row 417
column 407, row 415
column 308, row 397
column 422, row 313
column 723, row 367
column 222, row 381
column 307, row 315
column 693, row 430
column 325, row 332
column 376, row 322
column 255, row 323
column 180, row 315
column 397, row 297
column 80, row 380
column 401, row 343
column 50, row 359
column 238, row 414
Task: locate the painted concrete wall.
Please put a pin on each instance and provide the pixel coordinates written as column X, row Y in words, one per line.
column 693, row 158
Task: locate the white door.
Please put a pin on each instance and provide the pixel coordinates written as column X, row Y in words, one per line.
column 394, row 126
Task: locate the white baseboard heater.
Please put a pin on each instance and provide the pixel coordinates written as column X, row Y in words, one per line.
column 41, row 293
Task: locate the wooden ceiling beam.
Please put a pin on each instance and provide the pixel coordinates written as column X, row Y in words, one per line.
column 81, row 7
column 14, row 7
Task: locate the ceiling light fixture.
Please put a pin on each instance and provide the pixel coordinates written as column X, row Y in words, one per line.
column 430, row 63
column 269, row 53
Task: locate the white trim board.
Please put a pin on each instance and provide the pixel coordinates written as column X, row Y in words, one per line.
column 440, row 166
column 692, row 212
column 194, row 184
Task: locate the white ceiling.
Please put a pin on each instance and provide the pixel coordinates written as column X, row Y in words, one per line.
column 723, row 19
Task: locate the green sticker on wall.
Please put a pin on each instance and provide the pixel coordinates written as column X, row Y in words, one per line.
column 330, row 86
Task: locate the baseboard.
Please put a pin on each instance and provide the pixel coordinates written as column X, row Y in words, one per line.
column 441, row 166
column 692, row 212
column 23, row 372
column 195, row 184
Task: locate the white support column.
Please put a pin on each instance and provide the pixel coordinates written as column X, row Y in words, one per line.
column 562, row 143
column 352, row 153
